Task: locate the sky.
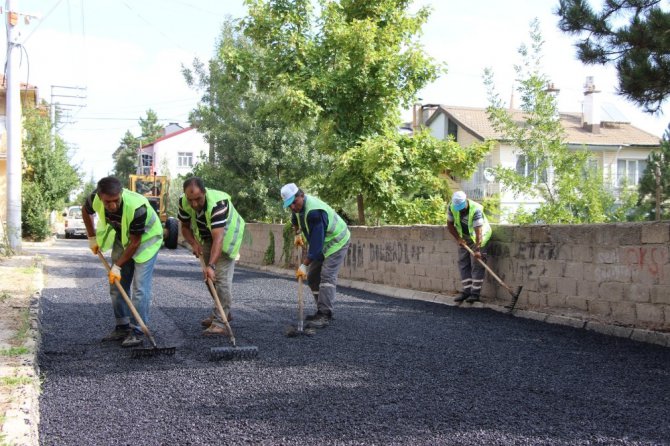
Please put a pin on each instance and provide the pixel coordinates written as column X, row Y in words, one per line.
column 126, row 56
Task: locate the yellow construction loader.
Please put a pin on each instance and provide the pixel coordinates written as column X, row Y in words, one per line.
column 156, row 190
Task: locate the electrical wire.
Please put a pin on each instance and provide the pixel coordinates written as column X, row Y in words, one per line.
column 42, row 20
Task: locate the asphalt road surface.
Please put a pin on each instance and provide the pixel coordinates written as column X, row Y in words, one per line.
column 386, row 371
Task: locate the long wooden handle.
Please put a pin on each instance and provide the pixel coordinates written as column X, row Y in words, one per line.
column 500, row 281
column 129, row 302
column 217, row 302
column 301, row 304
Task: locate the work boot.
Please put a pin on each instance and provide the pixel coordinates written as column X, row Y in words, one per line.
column 473, row 298
column 132, row 340
column 209, row 319
column 216, row 330
column 118, row 334
column 463, row 296
column 320, row 320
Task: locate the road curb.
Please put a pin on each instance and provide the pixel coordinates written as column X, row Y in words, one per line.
column 636, row 334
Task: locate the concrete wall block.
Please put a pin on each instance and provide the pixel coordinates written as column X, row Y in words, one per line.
column 652, row 337
column 540, row 234
column 609, row 330
column 621, row 234
column 576, row 302
column 556, row 300
column 582, row 253
column 566, row 287
column 555, row 268
column 574, row 270
column 546, row 284
column 624, row 313
column 536, row 300
column 522, row 234
column 611, row 291
column 502, row 233
column 650, row 313
column 655, row 233
column 599, row 308
column 567, row 321
column 611, row 273
column 605, row 255
column 659, row 294
column 430, row 233
column 646, row 276
column 637, row 292
column 587, row 289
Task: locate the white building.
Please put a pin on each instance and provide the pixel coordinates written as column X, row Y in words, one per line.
column 175, row 153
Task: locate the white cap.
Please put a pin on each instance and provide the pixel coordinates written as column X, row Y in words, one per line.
column 288, row 192
column 459, row 201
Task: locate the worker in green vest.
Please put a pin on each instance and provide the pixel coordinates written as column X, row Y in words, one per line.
column 214, row 229
column 328, row 237
column 468, row 224
column 130, row 227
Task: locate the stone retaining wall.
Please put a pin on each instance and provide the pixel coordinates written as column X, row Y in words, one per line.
column 615, row 274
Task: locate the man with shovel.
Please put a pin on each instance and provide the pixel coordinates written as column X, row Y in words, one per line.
column 328, row 237
column 131, row 228
column 470, row 227
column 214, row 229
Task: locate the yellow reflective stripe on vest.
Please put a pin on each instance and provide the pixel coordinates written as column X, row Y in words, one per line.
column 338, row 238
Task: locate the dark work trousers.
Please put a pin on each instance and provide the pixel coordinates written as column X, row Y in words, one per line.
column 472, row 272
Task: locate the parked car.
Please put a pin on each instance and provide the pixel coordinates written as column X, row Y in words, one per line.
column 74, row 224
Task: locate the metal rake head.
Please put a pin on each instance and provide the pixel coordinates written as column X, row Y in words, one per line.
column 151, row 352
column 232, row 353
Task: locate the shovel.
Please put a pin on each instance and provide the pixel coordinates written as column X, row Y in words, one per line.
column 515, row 294
column 139, row 352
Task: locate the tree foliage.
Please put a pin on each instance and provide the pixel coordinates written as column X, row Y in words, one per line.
column 403, row 176
column 569, row 189
column 262, row 137
column 48, row 177
column 658, row 166
column 635, row 35
column 126, row 155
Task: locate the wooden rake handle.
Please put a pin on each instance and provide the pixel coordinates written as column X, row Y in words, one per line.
column 301, row 302
column 129, row 302
column 490, row 271
column 217, row 302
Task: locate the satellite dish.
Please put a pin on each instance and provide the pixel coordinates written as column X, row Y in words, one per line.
column 488, row 175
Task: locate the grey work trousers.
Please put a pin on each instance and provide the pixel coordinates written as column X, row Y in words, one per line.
column 322, row 279
column 225, row 268
column 472, row 272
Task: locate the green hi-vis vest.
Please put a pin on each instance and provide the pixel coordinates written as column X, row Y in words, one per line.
column 472, row 207
column 153, row 230
column 337, row 233
column 234, row 229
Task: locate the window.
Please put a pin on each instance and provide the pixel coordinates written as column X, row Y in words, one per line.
column 630, row 172
column 185, row 159
column 146, row 164
column 528, row 168
column 452, row 129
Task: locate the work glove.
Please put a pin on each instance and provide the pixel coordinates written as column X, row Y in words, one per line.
column 93, row 244
column 298, row 241
column 114, row 274
column 301, row 272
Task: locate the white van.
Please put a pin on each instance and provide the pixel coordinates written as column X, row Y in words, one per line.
column 74, row 225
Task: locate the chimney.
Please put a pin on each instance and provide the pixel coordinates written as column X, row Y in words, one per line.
column 553, row 91
column 591, row 107
column 417, row 116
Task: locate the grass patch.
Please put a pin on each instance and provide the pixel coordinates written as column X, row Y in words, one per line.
column 4, row 296
column 27, row 270
column 24, row 325
column 14, row 351
column 11, row 381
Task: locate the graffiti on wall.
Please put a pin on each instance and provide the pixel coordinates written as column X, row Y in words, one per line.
column 646, row 259
column 539, row 251
column 395, row 252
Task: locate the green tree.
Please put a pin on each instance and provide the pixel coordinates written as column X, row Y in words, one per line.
column 260, row 137
column 656, row 180
column 87, row 190
column 404, row 176
column 48, row 177
column 569, row 190
column 125, row 158
column 355, row 65
column 151, row 130
column 634, row 35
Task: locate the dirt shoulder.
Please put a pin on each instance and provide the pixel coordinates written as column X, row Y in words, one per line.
column 21, row 281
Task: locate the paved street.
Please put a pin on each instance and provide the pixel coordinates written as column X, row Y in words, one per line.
column 386, row 371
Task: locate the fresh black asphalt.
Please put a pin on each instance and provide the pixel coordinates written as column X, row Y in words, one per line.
column 387, row 371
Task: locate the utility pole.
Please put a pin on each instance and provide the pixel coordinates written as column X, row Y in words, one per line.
column 14, row 129
column 75, row 96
